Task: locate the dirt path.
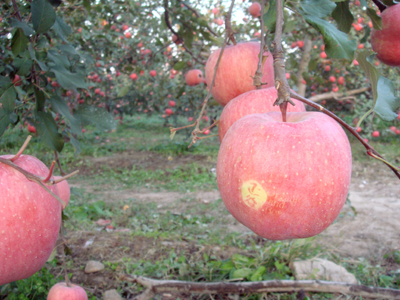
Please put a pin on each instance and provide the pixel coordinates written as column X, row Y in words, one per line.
column 374, row 193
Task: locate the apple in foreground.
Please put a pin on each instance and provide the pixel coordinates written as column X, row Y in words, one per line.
column 64, row 190
column 252, row 102
column 60, row 291
column 236, row 71
column 194, row 77
column 284, row 180
column 385, row 42
column 30, row 218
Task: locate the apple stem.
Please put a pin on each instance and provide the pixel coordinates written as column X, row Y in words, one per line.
column 281, row 84
column 50, row 172
column 22, row 149
column 283, row 108
column 370, row 150
column 59, row 163
column 380, row 5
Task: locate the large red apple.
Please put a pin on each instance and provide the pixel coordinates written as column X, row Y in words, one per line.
column 252, row 102
column 60, row 291
column 386, row 42
column 236, row 71
column 64, row 190
column 194, row 77
column 30, row 218
column 284, row 180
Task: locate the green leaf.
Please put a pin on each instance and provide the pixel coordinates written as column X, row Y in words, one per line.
column 365, row 38
column 47, row 130
column 41, row 64
column 68, row 49
column 5, row 82
column 179, row 65
column 317, row 8
column 43, row 15
column 59, row 106
column 7, row 100
column 99, row 117
column 269, row 17
column 87, row 5
column 241, row 273
column 75, row 143
column 62, row 29
column 4, row 121
column 25, row 27
column 124, row 91
column 343, row 16
column 23, row 64
column 40, row 99
column 387, row 103
column 337, row 43
column 375, row 19
column 67, row 79
column 257, row 275
column 19, row 42
column 58, row 59
column 364, row 58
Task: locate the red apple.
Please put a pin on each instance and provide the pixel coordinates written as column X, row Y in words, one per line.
column 323, row 54
column 332, row 78
column 285, row 180
column 125, row 27
column 128, row 35
column 31, row 128
column 300, row 44
column 335, row 88
column 171, row 103
column 194, row 77
column 60, row 291
column 153, row 73
column 340, row 80
column 168, row 111
column 236, row 71
column 357, row 27
column 375, row 134
column 17, row 80
column 386, row 42
column 252, row 102
column 133, row 76
column 30, row 217
column 327, row 68
column 255, row 9
column 97, row 91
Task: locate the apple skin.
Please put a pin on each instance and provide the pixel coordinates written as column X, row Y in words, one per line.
column 64, row 190
column 255, row 9
column 386, row 42
column 252, row 102
column 60, row 291
column 236, row 71
column 30, row 218
column 194, row 77
column 284, row 180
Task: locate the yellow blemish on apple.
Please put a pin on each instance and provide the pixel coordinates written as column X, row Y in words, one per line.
column 253, row 194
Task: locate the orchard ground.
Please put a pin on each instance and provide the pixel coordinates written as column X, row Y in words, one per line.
column 170, row 223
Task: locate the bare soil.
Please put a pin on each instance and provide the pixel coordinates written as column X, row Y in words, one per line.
column 370, row 233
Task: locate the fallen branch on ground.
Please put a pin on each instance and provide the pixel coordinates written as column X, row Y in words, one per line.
column 154, row 287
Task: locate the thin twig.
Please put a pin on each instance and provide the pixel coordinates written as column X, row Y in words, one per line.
column 257, row 80
column 271, row 286
column 22, row 149
column 168, row 23
column 198, row 16
column 333, row 95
